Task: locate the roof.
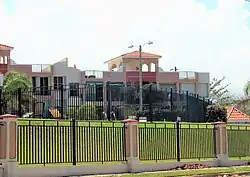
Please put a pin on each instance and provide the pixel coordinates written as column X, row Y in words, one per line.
column 6, row 46
column 234, row 114
column 136, row 54
column 143, row 54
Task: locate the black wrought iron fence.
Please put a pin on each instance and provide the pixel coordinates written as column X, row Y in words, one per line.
column 100, row 102
column 46, row 142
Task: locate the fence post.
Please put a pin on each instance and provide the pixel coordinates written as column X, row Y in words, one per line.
column 221, row 143
column 61, row 100
column 198, row 107
column 171, row 100
column 204, row 109
column 132, row 144
column 8, row 145
column 109, row 100
column 19, row 100
column 178, row 140
column 187, row 102
column 74, row 141
column 150, row 104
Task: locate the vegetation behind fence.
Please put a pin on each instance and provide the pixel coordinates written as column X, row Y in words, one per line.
column 100, row 102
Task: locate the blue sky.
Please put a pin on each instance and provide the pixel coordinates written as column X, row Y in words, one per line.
column 200, row 35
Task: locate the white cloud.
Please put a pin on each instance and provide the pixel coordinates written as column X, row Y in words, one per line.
column 185, row 33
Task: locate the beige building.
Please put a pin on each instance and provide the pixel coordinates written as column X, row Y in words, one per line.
column 122, row 69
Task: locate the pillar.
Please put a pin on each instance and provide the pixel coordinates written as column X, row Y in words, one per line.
column 132, row 145
column 8, row 144
column 221, row 143
column 104, row 96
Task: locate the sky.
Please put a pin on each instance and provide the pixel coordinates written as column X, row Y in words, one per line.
column 194, row 35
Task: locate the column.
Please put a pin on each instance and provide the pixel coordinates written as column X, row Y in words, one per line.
column 105, row 96
column 157, row 75
column 8, row 144
column 177, row 87
column 197, row 88
column 132, row 144
column 149, row 67
column 221, row 143
column 84, row 91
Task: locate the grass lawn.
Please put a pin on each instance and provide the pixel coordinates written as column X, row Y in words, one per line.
column 208, row 171
column 50, row 141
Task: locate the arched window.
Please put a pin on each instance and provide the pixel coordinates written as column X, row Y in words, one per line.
column 145, row 67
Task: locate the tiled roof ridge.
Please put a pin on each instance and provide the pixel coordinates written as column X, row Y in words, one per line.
column 136, row 53
column 2, row 45
column 232, row 109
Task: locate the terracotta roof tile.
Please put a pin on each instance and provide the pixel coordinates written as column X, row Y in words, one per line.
column 235, row 114
column 2, row 45
column 143, row 54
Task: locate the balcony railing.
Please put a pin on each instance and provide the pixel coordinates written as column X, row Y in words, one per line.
column 94, row 74
column 186, row 75
column 41, row 68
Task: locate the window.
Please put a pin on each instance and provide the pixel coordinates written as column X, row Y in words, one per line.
column 74, row 89
column 58, row 81
column 99, row 92
column 44, row 84
column 34, row 84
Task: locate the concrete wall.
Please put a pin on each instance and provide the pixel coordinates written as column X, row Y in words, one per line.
column 94, row 169
column 190, row 87
column 203, row 78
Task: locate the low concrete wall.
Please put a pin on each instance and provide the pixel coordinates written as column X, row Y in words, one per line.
column 57, row 171
column 166, row 166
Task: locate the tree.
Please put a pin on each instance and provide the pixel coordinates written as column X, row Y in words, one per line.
column 246, row 89
column 12, row 82
column 151, row 94
column 219, row 93
column 216, row 114
column 243, row 103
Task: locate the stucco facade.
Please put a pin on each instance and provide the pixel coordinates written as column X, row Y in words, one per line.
column 122, row 69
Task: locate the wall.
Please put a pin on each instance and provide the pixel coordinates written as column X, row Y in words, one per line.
column 203, row 84
column 203, row 78
column 55, row 171
column 73, row 75
column 168, row 86
column 22, row 68
column 190, row 87
column 60, row 68
column 168, row 77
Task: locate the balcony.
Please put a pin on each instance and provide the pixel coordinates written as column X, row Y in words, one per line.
column 94, row 74
column 187, row 75
column 43, row 68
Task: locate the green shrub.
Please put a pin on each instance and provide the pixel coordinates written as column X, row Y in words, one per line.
column 72, row 112
column 216, row 114
column 86, row 111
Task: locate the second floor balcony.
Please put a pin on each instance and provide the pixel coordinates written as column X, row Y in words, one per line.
column 44, row 68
